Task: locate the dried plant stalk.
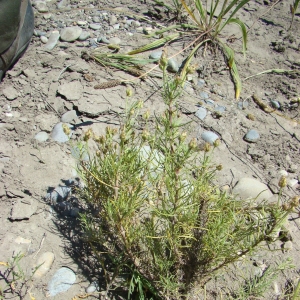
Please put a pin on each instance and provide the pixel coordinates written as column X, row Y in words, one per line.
column 107, row 84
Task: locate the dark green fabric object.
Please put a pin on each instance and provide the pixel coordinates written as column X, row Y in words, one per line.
column 16, row 29
column 9, row 22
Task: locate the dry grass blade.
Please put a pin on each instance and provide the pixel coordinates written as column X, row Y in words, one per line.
column 276, row 71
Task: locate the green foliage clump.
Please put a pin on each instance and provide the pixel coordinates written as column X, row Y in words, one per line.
column 153, row 211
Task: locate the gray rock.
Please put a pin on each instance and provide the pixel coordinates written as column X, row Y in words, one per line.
column 103, row 39
column 250, row 188
column 113, row 20
column 251, row 136
column 220, row 109
column 201, row 113
column 242, row 105
column 23, row 209
column 61, row 4
column 61, row 281
column 69, row 116
column 2, row 189
column 201, row 82
column 155, row 55
column 95, row 26
column 10, row 93
column 172, row 65
column 44, row 39
column 209, row 137
column 116, row 26
column 41, row 7
column 93, row 43
column 84, row 36
column 52, row 41
column 83, row 23
column 58, row 133
column 70, row 34
column 203, row 95
column 71, row 90
column 115, row 41
column 275, row 104
column 210, row 102
column 93, row 287
column 41, row 136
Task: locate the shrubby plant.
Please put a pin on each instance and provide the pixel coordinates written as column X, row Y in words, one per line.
column 153, row 211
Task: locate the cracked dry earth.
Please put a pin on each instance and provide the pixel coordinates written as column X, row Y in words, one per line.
column 52, row 85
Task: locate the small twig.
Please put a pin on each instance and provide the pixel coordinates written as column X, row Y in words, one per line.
column 41, row 244
column 63, row 70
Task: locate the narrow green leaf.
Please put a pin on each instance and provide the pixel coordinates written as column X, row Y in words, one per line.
column 155, row 44
column 233, row 71
column 244, row 32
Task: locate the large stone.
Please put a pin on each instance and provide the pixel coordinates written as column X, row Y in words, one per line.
column 61, row 281
column 71, row 90
column 250, row 188
column 70, row 34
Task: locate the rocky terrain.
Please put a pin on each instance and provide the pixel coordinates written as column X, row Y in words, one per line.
column 52, row 87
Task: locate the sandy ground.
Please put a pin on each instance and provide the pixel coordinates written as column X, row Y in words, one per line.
column 45, row 84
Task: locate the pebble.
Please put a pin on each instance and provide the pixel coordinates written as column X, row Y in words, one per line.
column 275, row 104
column 201, row 83
column 203, row 95
column 201, row 113
column 283, row 173
column 10, row 93
column 70, row 34
column 52, row 41
column 41, row 7
column 113, row 20
column 44, row 39
column 136, row 23
column 103, row 39
column 172, row 65
column 210, row 102
column 242, row 105
column 81, row 23
column 251, row 136
column 250, row 188
column 209, row 137
column 155, row 55
column 44, row 264
column 61, row 281
column 71, row 90
column 93, row 287
column 292, row 183
column 84, row 36
column 69, row 116
column 41, row 136
column 220, row 109
column 58, row 133
column 95, row 26
column 115, row 41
